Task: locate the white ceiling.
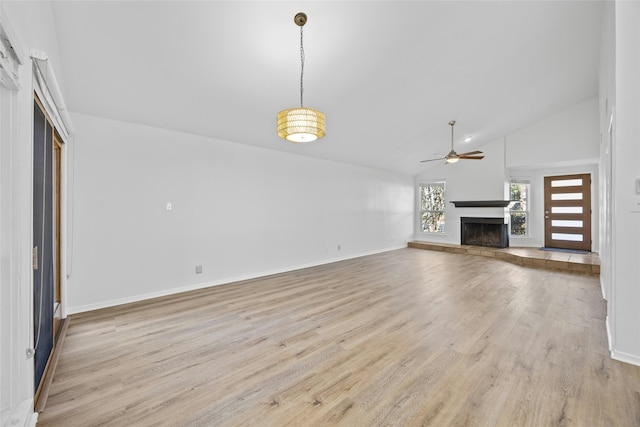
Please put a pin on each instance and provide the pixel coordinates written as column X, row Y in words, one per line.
column 389, row 75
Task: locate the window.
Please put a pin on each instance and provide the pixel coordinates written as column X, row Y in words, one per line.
column 519, row 208
column 432, row 207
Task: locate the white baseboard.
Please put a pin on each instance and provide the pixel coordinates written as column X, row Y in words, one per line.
column 32, row 420
column 633, row 359
column 609, row 340
column 625, row 357
column 224, row 281
column 20, row 416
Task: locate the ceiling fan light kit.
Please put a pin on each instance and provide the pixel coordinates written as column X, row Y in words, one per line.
column 453, row 157
column 301, row 124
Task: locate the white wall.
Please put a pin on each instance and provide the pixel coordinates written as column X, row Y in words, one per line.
column 624, row 318
column 16, row 370
column 606, row 103
column 33, row 28
column 569, row 137
column 567, row 142
column 238, row 211
column 466, row 180
column 536, row 177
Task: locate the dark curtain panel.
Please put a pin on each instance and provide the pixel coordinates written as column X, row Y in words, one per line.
column 43, row 276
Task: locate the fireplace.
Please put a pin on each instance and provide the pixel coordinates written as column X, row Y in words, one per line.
column 488, row 232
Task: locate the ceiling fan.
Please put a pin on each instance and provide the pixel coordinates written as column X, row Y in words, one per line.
column 453, row 157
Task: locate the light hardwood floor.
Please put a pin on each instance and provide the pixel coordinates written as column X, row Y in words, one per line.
column 407, row 338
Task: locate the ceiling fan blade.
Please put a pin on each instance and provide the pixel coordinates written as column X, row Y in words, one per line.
column 471, row 157
column 470, row 153
column 432, row 160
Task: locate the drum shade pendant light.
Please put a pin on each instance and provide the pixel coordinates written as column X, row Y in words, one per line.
column 301, row 124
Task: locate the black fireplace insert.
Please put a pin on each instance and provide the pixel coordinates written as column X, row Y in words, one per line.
column 488, row 232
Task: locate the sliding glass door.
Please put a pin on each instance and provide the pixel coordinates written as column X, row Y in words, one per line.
column 46, row 240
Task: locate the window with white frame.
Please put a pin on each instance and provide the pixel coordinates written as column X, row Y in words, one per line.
column 432, row 207
column 519, row 207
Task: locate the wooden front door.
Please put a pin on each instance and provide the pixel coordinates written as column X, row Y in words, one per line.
column 567, row 211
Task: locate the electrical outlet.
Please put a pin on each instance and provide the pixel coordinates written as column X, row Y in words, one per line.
column 198, row 269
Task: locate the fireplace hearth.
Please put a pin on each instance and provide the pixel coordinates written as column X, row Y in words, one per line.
column 488, row 232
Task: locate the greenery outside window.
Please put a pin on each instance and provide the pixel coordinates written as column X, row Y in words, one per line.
column 432, row 207
column 519, row 207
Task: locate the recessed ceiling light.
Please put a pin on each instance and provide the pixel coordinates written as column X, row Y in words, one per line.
column 467, row 139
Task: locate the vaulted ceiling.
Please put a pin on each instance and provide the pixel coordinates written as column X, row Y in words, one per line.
column 389, row 75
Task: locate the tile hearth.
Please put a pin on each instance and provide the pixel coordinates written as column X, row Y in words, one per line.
column 526, row 257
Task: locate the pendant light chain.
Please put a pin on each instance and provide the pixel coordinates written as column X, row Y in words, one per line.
column 301, row 68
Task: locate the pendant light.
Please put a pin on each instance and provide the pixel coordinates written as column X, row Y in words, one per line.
column 301, row 124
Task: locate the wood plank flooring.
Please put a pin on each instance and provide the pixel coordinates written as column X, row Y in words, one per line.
column 404, row 338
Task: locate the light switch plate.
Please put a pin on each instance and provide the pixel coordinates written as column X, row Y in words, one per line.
column 634, row 204
column 637, row 185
